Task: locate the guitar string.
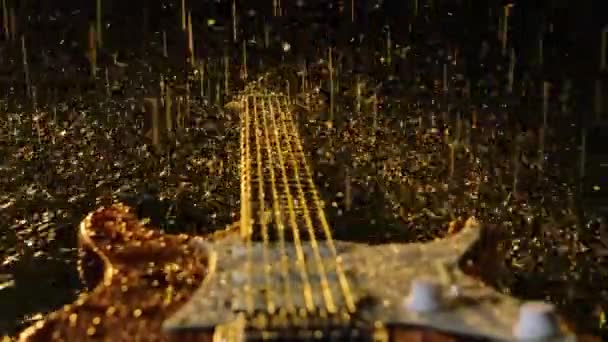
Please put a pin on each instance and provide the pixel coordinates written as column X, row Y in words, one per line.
column 248, row 222
column 300, row 258
column 244, row 174
column 343, row 280
column 264, row 225
column 289, row 305
column 287, row 136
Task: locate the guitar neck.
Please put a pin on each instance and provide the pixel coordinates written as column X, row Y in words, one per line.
column 280, row 205
column 277, row 188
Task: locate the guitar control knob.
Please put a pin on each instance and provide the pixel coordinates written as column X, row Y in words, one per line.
column 537, row 321
column 425, row 296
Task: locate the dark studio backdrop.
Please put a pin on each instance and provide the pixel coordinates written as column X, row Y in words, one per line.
column 571, row 29
column 576, row 23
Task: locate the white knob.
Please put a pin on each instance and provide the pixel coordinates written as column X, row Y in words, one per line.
column 425, row 296
column 537, row 321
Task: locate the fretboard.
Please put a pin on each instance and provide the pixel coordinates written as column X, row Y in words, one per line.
column 281, row 209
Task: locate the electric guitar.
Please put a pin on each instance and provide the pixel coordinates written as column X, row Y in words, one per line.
column 278, row 274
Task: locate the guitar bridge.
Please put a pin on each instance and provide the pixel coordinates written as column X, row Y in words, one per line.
column 283, row 327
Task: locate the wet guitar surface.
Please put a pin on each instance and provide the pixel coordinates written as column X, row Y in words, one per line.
column 142, row 278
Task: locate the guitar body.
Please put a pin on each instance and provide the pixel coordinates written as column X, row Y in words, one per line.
column 137, row 278
column 142, row 277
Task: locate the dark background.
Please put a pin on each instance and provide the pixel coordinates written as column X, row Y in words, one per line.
column 572, row 46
